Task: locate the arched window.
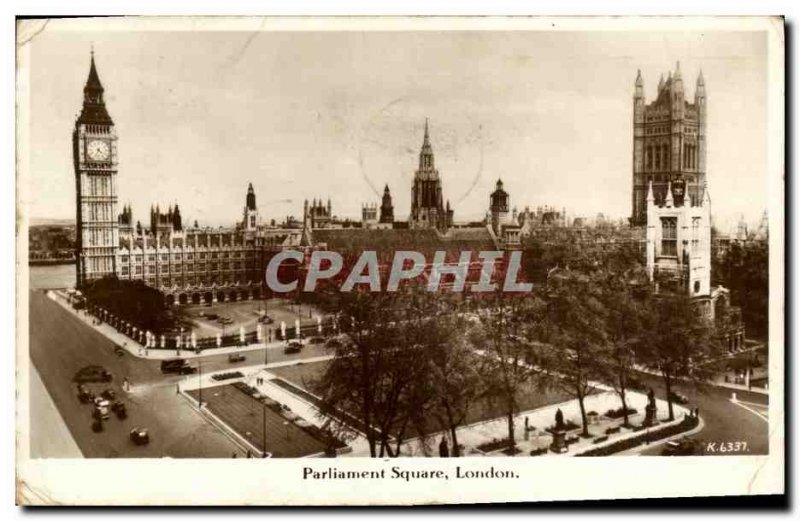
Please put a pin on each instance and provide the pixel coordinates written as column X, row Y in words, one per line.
column 669, row 236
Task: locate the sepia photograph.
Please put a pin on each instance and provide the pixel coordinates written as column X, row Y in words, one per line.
column 461, row 260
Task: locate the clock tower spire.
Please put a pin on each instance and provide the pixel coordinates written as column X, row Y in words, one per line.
column 94, row 153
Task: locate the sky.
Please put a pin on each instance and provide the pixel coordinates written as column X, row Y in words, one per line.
column 340, row 114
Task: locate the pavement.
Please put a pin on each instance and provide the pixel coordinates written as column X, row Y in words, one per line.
column 49, row 436
column 61, row 344
column 136, row 350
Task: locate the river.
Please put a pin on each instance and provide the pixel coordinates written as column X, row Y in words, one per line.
column 48, row 277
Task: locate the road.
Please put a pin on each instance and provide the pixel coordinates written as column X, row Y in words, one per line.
column 61, row 344
column 724, row 421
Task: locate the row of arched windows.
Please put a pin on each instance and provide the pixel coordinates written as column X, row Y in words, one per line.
column 657, row 157
column 689, row 155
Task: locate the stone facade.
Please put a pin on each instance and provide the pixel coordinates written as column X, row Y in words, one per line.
column 669, row 142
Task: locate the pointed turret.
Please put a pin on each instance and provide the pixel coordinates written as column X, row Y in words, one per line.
column 639, row 85
column 94, row 108
column 668, row 198
column 700, row 88
column 661, row 83
column 251, row 197
column 426, row 154
column 706, row 197
column 650, row 197
column 677, row 71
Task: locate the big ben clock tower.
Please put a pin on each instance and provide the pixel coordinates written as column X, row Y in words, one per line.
column 94, row 151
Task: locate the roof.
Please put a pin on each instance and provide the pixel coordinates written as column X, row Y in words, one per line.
column 387, row 242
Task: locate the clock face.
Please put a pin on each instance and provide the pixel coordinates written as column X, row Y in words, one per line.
column 98, row 150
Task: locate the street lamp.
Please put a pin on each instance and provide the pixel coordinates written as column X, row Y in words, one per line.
column 264, row 428
column 200, row 380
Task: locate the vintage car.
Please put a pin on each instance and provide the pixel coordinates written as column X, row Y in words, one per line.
column 266, row 319
column 678, row 398
column 84, row 394
column 97, row 425
column 92, row 373
column 178, row 366
column 120, row 410
column 101, row 409
column 236, row 357
column 140, row 436
column 293, row 347
column 108, row 394
column 684, row 447
column 316, row 340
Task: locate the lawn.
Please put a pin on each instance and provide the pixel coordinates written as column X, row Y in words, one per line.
column 247, row 416
column 305, row 375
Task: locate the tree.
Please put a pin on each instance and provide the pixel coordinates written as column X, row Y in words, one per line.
column 744, row 270
column 680, row 342
column 509, row 334
column 456, row 380
column 622, row 296
column 577, row 330
column 379, row 373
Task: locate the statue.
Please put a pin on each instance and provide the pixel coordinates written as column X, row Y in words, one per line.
column 443, row 452
column 559, row 432
column 559, row 419
column 650, row 410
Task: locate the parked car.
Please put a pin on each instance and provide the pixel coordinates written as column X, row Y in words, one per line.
column 140, row 436
column 293, row 347
column 84, row 394
column 101, row 409
column 119, row 351
column 236, row 357
column 266, row 319
column 212, row 316
column 97, row 425
column 120, row 410
column 108, row 394
column 684, row 447
column 92, row 373
column 675, row 397
column 316, row 340
column 177, row 366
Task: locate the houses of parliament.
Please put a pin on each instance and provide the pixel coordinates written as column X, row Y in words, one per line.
column 193, row 264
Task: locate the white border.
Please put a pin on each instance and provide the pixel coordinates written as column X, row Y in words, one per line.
column 209, row 482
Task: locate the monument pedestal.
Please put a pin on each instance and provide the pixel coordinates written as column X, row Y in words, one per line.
column 650, row 418
column 559, row 443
